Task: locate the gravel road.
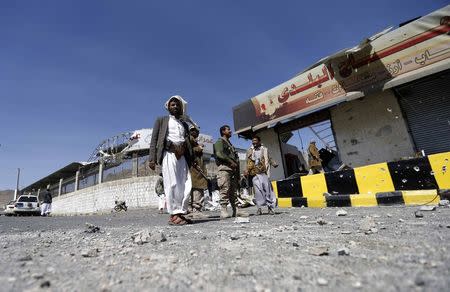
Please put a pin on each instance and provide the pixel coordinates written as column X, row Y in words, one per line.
column 298, row 249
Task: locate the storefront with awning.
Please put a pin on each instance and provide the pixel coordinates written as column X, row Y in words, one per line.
column 383, row 100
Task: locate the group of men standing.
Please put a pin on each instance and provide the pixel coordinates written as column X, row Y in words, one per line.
column 175, row 148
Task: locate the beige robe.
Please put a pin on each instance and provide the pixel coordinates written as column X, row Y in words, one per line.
column 314, row 156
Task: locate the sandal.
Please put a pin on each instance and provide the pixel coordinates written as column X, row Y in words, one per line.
column 188, row 221
column 177, row 220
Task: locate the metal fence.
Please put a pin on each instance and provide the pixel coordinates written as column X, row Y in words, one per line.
column 118, row 171
column 92, row 174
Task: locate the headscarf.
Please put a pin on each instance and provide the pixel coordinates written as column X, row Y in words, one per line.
column 185, row 117
column 182, row 102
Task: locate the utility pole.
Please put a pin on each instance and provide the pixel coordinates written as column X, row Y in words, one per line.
column 17, row 185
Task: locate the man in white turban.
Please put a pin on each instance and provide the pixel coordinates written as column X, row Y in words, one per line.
column 171, row 149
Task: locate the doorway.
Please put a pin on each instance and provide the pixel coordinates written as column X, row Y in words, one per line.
column 295, row 137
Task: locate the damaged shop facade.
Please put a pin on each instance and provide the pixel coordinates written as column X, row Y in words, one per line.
column 386, row 99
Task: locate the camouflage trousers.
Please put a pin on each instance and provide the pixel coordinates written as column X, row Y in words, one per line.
column 228, row 186
column 197, row 198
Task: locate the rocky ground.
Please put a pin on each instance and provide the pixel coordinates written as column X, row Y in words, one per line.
column 299, row 249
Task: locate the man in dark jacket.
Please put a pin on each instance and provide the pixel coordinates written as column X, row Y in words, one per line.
column 159, row 190
column 170, row 148
column 46, row 207
column 228, row 172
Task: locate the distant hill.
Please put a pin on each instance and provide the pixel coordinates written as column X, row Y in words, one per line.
column 5, row 197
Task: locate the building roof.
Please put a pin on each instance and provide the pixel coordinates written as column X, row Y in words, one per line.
column 67, row 171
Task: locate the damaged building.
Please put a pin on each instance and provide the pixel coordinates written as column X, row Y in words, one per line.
column 386, row 99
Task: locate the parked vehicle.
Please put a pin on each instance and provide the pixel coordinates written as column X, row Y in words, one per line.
column 9, row 209
column 27, row 205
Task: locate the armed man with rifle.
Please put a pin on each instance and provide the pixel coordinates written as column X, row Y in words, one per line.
column 228, row 175
column 198, row 176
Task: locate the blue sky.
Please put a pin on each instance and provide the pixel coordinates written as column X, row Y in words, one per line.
column 73, row 73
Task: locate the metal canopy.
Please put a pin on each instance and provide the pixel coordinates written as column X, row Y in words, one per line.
column 65, row 172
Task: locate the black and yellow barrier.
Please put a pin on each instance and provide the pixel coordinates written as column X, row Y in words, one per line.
column 411, row 182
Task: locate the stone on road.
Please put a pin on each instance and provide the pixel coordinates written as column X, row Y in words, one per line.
column 341, row 213
column 374, row 249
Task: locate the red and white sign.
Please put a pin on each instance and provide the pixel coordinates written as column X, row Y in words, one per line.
column 411, row 47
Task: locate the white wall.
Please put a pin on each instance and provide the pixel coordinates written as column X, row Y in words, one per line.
column 371, row 130
column 136, row 192
column 270, row 139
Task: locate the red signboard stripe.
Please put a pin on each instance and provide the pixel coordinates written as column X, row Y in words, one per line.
column 442, row 29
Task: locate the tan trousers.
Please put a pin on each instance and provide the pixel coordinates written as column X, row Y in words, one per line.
column 197, row 197
column 228, row 186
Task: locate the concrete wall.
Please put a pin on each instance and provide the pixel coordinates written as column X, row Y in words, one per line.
column 270, row 139
column 371, row 130
column 136, row 192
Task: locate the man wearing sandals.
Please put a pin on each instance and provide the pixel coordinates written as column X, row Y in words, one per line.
column 170, row 148
column 227, row 161
column 258, row 165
